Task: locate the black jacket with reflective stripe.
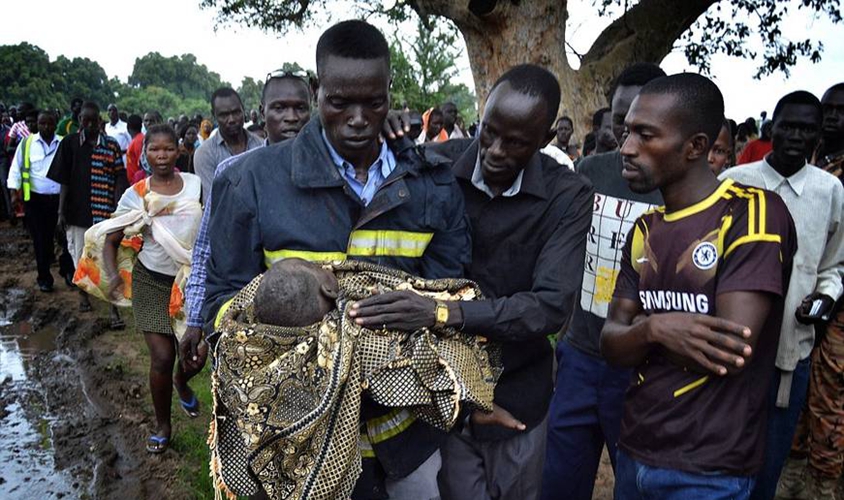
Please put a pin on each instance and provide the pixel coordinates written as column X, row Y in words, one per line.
column 289, row 199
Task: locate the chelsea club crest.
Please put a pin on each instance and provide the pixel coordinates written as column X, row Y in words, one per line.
column 705, row 255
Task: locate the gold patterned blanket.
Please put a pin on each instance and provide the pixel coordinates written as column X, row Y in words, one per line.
column 287, row 400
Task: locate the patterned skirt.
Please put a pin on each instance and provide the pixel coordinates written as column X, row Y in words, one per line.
column 151, row 300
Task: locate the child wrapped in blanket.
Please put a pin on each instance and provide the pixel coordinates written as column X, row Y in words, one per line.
column 292, row 370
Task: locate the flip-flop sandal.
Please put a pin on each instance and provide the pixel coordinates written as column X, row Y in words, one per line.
column 157, row 444
column 191, row 407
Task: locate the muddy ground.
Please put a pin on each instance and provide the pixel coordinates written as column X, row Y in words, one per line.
column 83, row 391
column 75, row 417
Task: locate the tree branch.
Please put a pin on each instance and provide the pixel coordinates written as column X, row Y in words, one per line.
column 647, row 31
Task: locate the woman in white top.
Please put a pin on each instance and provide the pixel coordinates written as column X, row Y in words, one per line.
column 169, row 202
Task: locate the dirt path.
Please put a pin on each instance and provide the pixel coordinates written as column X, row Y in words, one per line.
column 76, row 391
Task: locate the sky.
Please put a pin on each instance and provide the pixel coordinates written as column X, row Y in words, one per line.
column 174, row 27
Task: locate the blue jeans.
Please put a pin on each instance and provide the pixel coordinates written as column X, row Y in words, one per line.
column 637, row 481
column 585, row 414
column 782, row 422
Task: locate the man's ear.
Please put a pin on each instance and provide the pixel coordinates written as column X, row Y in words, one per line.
column 261, row 111
column 313, row 82
column 699, row 145
column 328, row 292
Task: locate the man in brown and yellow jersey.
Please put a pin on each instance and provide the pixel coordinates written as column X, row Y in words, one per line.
column 696, row 306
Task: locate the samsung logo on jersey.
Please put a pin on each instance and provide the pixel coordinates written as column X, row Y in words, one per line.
column 674, row 301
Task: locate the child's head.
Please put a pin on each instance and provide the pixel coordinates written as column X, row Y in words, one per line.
column 295, row 293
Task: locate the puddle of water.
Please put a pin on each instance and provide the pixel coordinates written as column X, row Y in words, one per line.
column 28, row 469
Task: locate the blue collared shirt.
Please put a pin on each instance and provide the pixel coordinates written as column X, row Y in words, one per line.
column 378, row 171
column 195, row 287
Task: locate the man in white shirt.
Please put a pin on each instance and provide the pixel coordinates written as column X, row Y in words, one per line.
column 816, row 201
column 449, row 110
column 116, row 128
column 40, row 195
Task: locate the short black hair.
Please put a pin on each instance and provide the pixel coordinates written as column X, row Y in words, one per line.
column 799, row 97
column 589, row 143
column 728, row 124
column 598, row 117
column 134, row 123
column 636, row 75
column 155, row 115
column 48, row 112
column 838, row 87
column 566, row 118
column 353, row 39
column 25, row 107
column 161, row 129
column 76, row 100
column 699, row 102
column 287, row 296
column 435, row 112
column 224, row 92
column 90, row 105
column 534, row 80
column 184, row 130
column 293, row 78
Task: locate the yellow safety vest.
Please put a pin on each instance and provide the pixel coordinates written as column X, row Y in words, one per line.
column 25, row 173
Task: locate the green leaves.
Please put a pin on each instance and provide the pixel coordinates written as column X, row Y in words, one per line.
column 423, row 68
column 752, row 29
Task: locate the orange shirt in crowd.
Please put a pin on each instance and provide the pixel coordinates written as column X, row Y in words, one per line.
column 133, row 157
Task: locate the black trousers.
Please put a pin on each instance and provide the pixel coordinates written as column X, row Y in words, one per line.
column 42, row 215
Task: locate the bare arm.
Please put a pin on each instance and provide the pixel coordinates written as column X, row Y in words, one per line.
column 112, row 243
column 722, row 344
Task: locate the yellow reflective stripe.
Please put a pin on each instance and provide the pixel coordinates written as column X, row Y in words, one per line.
column 365, row 447
column 223, row 308
column 388, row 243
column 772, row 238
column 686, row 388
column 26, row 167
column 273, row 256
column 392, row 424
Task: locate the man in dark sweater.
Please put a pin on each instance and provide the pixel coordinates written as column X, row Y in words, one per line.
column 530, row 219
column 586, row 407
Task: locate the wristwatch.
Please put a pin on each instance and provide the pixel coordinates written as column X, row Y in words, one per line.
column 441, row 313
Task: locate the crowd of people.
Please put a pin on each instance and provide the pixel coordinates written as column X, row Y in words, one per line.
column 688, row 272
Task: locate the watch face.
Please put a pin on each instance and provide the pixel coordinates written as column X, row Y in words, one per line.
column 442, row 314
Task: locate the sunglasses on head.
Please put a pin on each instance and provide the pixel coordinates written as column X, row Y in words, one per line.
column 280, row 73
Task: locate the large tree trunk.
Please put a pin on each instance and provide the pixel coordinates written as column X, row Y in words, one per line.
column 503, row 33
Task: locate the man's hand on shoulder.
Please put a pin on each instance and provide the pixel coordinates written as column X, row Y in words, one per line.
column 396, row 125
column 708, row 343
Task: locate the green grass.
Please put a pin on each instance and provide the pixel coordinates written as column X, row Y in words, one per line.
column 190, row 436
column 190, row 440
